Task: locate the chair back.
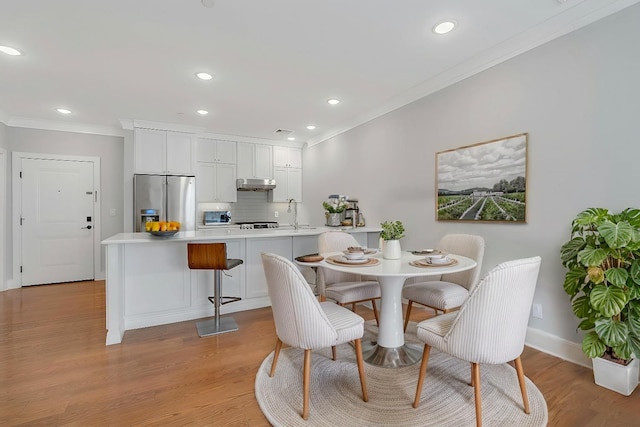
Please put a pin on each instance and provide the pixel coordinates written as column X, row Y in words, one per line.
column 470, row 246
column 300, row 321
column 334, row 241
column 207, row 256
column 492, row 323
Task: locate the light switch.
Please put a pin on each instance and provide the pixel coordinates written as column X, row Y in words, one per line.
column 112, row 212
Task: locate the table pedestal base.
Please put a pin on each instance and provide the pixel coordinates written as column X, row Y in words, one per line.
column 384, row 357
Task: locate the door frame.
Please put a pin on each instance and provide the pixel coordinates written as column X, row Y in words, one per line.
column 3, row 224
column 16, row 162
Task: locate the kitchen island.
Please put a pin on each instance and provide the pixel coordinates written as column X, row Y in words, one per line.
column 149, row 283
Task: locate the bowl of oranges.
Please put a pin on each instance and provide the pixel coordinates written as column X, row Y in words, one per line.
column 162, row 228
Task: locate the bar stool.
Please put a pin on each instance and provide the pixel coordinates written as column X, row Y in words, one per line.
column 213, row 256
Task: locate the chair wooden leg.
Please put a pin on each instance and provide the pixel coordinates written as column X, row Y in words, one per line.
column 475, row 378
column 523, row 385
column 323, row 298
column 306, row 378
column 333, row 352
column 423, row 371
column 363, row 379
column 353, row 307
column 406, row 318
column 275, row 357
column 375, row 311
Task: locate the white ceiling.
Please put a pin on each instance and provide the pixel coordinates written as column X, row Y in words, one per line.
column 275, row 62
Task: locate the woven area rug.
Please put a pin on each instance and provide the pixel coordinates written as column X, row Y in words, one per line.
column 447, row 398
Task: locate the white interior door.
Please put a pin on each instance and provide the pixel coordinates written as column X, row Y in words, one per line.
column 57, row 221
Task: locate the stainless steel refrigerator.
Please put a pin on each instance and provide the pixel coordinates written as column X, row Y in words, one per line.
column 164, row 198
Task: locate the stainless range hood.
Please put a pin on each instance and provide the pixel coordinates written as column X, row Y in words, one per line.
column 243, row 184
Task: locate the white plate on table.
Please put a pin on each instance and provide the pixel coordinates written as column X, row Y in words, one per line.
column 346, row 260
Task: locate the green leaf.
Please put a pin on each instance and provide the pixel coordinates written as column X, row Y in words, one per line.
column 592, row 216
column 581, row 306
column 617, row 276
column 616, row 235
column 632, row 216
column 608, row 300
column 587, row 324
column 573, row 280
column 632, row 318
column 592, row 346
column 633, row 342
column 591, row 257
column 569, row 251
column 612, row 332
column 624, row 350
column 634, row 271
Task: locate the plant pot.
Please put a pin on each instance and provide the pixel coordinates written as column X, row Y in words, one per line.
column 334, row 219
column 391, row 249
column 619, row 378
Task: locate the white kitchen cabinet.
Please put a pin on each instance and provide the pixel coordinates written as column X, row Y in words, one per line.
column 254, row 161
column 216, row 151
column 216, row 182
column 288, row 185
column 163, row 152
column 256, row 281
column 233, row 283
column 287, row 157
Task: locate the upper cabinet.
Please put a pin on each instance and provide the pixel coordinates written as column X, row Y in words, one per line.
column 255, row 161
column 163, row 152
column 216, row 177
column 216, row 151
column 287, row 157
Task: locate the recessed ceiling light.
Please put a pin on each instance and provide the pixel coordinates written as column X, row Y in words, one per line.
column 204, row 76
column 10, row 51
column 333, row 101
column 208, row 3
column 203, row 112
column 444, row 27
column 291, row 138
column 311, row 127
column 63, row 111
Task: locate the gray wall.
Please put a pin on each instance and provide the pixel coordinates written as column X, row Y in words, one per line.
column 577, row 97
column 108, row 148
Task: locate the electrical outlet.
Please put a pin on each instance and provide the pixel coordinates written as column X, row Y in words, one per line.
column 537, row 311
column 275, row 214
column 112, row 212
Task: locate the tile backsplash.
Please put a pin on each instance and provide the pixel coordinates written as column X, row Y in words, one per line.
column 251, row 206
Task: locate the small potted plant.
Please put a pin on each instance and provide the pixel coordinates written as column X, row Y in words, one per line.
column 603, row 281
column 392, row 232
column 333, row 211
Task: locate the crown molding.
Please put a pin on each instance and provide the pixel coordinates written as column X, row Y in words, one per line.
column 251, row 139
column 24, row 122
column 130, row 124
column 575, row 16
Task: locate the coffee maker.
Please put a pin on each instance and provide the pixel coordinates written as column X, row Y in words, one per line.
column 351, row 213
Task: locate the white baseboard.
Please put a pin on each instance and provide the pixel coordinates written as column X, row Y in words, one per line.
column 556, row 346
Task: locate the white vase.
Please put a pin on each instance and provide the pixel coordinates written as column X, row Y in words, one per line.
column 619, row 378
column 391, row 249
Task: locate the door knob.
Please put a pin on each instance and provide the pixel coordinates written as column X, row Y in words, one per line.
column 88, row 227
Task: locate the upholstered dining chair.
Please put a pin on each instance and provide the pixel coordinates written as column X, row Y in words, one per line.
column 489, row 328
column 344, row 288
column 303, row 322
column 451, row 290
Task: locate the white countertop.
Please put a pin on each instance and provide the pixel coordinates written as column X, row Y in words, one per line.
column 209, row 234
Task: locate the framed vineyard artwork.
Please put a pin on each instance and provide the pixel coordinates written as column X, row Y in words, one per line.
column 483, row 182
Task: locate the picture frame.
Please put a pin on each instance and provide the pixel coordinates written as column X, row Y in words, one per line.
column 483, row 182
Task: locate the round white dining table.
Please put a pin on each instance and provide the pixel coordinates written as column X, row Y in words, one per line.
column 390, row 350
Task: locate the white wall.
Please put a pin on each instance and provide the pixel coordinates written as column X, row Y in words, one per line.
column 577, row 97
column 108, row 148
column 5, row 170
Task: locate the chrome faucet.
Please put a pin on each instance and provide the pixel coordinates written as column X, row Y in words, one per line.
column 295, row 212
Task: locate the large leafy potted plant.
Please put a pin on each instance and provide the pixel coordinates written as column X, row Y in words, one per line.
column 603, row 281
column 392, row 232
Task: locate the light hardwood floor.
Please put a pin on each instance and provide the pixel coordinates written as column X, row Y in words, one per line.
column 55, row 369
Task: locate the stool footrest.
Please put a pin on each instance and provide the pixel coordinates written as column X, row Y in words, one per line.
column 222, row 300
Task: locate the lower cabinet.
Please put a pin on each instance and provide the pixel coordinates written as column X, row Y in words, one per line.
column 256, row 281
